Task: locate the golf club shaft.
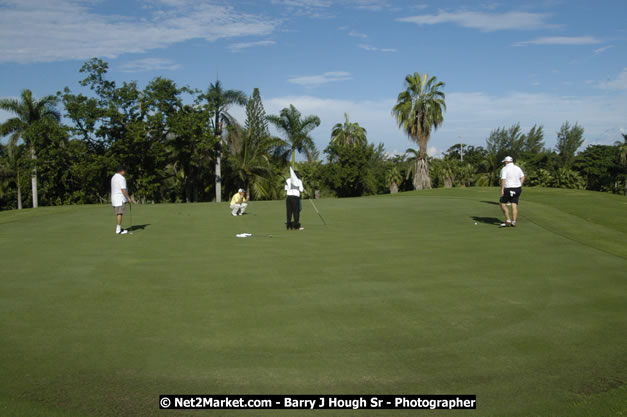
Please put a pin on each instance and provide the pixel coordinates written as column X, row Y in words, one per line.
column 316, row 208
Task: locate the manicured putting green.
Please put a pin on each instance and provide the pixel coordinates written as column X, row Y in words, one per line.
column 401, row 294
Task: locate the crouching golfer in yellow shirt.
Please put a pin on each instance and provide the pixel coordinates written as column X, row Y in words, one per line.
column 239, row 203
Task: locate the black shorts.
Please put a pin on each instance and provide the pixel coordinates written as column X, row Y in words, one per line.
column 511, row 195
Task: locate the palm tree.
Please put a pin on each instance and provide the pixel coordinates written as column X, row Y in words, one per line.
column 418, row 110
column 28, row 112
column 250, row 161
column 393, row 178
column 219, row 101
column 296, row 129
column 348, row 133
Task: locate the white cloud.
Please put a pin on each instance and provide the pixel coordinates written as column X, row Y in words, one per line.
column 356, row 34
column 561, row 40
column 371, row 48
column 304, row 3
column 476, row 114
column 433, row 151
column 470, row 115
column 235, row 47
column 372, row 5
column 317, row 80
column 618, row 83
column 71, row 30
column 311, row 8
column 487, row 22
column 603, row 49
column 150, row 64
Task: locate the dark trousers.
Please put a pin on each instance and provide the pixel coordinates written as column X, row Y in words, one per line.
column 293, row 211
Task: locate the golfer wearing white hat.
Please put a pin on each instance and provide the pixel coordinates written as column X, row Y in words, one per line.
column 239, row 203
column 512, row 179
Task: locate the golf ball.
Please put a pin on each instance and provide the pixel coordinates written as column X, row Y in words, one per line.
column 475, row 223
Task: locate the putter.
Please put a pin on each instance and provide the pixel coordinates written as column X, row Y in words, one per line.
column 130, row 229
column 316, row 208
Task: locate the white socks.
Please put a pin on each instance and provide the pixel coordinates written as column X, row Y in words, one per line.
column 118, row 228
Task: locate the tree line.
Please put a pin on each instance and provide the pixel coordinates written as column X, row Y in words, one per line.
column 184, row 145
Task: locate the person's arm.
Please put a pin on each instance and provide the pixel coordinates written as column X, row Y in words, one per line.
column 522, row 180
column 503, row 178
column 128, row 197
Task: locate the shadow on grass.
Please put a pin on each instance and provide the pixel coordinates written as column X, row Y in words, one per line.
column 496, row 203
column 137, row 227
column 487, row 220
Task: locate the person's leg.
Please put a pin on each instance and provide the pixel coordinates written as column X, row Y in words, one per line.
column 288, row 206
column 297, row 213
column 514, row 212
column 234, row 209
column 118, row 211
column 505, row 212
column 242, row 208
column 118, row 223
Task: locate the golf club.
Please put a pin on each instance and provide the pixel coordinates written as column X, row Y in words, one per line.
column 130, row 208
column 316, row 208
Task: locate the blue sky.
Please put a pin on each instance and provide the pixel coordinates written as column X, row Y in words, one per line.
column 533, row 62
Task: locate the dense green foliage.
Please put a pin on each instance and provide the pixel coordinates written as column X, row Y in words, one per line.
column 184, row 145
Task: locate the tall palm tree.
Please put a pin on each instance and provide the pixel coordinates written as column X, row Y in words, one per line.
column 419, row 110
column 348, row 133
column 250, row 160
column 28, row 112
column 296, row 129
column 219, row 101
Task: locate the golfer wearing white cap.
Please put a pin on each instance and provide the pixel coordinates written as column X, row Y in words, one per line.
column 239, row 203
column 512, row 179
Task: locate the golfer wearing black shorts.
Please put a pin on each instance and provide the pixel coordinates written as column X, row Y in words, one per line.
column 512, row 179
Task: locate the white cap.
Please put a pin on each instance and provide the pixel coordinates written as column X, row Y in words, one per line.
column 241, row 190
column 508, row 159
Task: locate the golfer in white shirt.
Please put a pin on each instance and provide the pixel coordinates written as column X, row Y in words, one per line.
column 293, row 187
column 119, row 197
column 512, row 180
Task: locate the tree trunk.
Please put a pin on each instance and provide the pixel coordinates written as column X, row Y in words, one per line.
column 393, row 188
column 422, row 180
column 33, row 178
column 218, row 179
column 188, row 188
column 19, row 191
column 218, row 172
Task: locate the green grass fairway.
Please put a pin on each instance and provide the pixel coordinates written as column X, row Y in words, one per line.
column 401, row 294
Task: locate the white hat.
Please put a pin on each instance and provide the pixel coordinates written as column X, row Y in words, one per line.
column 508, row 159
column 241, row 190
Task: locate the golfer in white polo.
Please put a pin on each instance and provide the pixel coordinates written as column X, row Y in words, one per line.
column 512, row 180
column 119, row 197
